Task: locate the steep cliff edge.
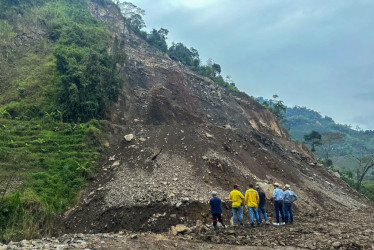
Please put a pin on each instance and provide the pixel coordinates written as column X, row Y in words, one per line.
column 187, row 136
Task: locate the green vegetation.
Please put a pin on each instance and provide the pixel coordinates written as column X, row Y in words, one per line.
column 46, row 163
column 56, row 74
column 86, row 71
column 275, row 106
column 69, row 70
column 367, row 187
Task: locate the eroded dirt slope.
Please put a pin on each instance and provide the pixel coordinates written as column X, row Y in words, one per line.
column 187, row 136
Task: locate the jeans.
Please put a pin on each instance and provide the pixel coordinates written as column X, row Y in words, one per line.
column 262, row 210
column 235, row 211
column 288, row 211
column 278, row 205
column 252, row 210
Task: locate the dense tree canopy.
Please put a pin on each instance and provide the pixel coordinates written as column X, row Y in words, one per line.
column 157, row 38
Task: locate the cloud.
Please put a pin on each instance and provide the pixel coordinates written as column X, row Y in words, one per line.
column 367, row 96
column 191, row 4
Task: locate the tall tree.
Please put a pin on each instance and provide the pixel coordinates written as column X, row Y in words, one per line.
column 276, row 107
column 330, row 138
column 157, row 38
column 364, row 164
column 314, row 138
column 179, row 52
column 133, row 14
column 217, row 68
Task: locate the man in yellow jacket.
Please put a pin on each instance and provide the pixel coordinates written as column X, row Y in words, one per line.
column 251, row 200
column 237, row 197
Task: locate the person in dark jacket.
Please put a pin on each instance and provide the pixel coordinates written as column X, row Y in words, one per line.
column 215, row 208
column 261, row 205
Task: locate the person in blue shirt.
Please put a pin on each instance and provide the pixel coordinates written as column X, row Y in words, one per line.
column 261, row 205
column 289, row 198
column 278, row 204
column 215, row 209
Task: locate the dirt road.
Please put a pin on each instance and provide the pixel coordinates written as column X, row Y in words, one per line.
column 328, row 230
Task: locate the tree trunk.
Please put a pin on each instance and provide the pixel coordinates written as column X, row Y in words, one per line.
column 361, row 177
column 358, row 186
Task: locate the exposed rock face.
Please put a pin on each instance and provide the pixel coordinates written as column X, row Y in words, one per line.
column 190, row 136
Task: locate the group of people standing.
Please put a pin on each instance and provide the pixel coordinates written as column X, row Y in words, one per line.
column 254, row 201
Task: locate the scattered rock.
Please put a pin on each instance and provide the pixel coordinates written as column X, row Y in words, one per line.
column 209, row 135
column 337, row 244
column 179, row 229
column 199, row 223
column 129, row 137
column 116, row 164
column 134, row 236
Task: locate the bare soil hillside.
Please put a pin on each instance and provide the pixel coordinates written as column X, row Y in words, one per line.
column 174, row 136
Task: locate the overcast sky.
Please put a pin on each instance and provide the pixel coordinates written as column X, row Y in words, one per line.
column 313, row 53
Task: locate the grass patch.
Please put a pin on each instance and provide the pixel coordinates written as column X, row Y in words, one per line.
column 43, row 167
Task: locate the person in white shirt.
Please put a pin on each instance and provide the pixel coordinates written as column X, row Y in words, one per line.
column 278, row 204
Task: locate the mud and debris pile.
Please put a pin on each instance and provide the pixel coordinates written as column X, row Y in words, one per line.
column 329, row 230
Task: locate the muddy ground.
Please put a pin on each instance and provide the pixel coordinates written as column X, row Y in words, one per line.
column 340, row 229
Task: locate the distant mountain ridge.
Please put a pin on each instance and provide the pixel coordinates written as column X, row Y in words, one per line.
column 301, row 120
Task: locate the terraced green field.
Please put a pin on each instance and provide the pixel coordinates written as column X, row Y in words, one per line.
column 43, row 165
